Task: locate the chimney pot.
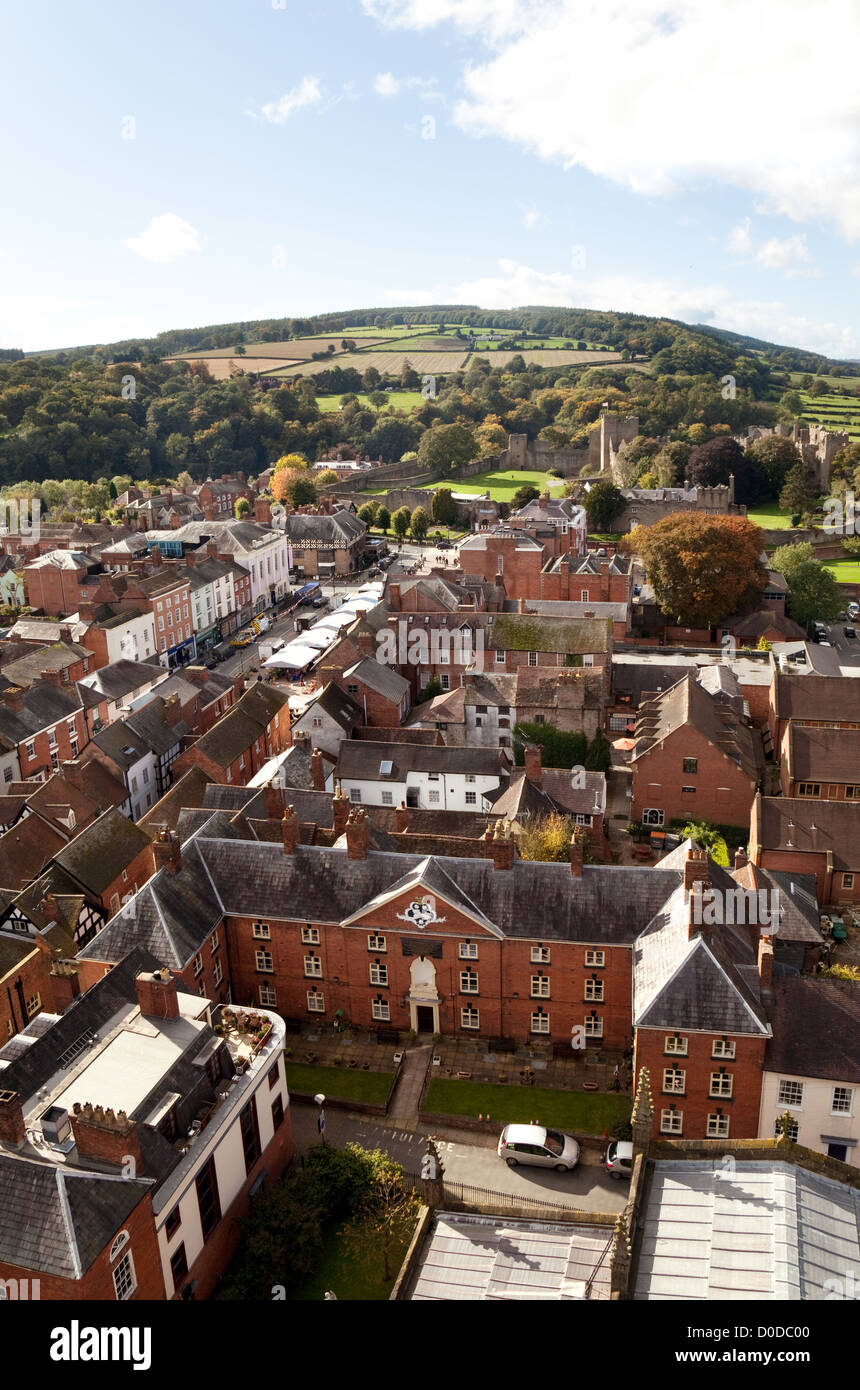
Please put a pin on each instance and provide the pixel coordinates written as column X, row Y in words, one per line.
column 357, row 834
column 156, row 994
column 577, row 856
column 318, row 770
column 340, row 808
column 167, row 852
column 504, row 847
column 741, row 860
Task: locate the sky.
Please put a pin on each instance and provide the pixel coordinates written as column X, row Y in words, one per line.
column 173, row 164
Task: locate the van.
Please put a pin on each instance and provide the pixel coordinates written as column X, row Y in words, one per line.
column 618, row 1159
column 538, row 1147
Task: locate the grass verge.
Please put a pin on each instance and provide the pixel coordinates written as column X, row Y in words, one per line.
column 340, row 1082
column 589, row 1112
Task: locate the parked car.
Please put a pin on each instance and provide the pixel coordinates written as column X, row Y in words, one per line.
column 849, row 632
column 443, row 545
column 854, row 611
column 618, row 1158
column 535, row 1146
column 375, row 572
column 319, row 602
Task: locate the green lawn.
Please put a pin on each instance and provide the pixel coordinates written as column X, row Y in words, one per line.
column 844, row 571
column 501, row 486
column 589, row 1112
column 346, row 1276
column 371, row 1086
column 770, row 517
column 401, row 400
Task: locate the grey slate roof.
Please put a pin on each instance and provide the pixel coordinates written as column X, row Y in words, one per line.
column 708, row 983
column 816, row 1023
column 171, row 916
column 99, row 854
column 382, row 679
column 56, row 1221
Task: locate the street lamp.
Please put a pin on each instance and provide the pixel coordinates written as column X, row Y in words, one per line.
column 320, row 1100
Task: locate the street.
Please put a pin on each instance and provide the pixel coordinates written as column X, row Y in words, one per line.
column 467, row 1158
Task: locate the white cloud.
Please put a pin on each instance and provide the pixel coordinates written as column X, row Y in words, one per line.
column 740, row 240
column 685, row 92
column 789, row 254
column 531, row 217
column 307, row 93
column 713, row 304
column 386, row 85
column 165, row 239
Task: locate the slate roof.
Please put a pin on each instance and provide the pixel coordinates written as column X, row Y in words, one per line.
column 188, row 791
column 816, row 697
column 337, row 705
column 823, row 755
column 555, row 794
column 479, row 541
column 26, row 849
column 340, row 528
column 172, row 916
column 816, row 1023
column 359, row 758
column 709, row 983
column 756, row 625
column 56, row 1221
column 44, row 706
column 382, row 679
column 100, row 853
column 120, row 678
column 242, row 725
column 836, row 823
column 56, row 657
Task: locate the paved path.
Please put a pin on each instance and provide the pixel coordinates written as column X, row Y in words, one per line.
column 407, row 1094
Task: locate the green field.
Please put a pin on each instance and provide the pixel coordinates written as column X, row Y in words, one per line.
column 836, row 412
column 770, row 517
column 501, row 486
column 399, row 400
column 588, row 1112
column 844, row 571
column 370, row 1086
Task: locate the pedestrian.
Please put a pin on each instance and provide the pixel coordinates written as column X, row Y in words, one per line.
column 616, row 1079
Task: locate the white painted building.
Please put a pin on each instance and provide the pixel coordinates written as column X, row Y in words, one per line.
column 425, row 777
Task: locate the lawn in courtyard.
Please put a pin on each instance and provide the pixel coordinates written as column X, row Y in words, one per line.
column 341, row 1082
column 399, row 400
column 770, row 517
column 588, row 1112
column 502, row 485
column 348, row 1277
column 844, row 571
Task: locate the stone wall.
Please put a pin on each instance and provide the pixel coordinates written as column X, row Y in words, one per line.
column 816, row 444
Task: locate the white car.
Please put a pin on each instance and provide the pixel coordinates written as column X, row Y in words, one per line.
column 854, row 611
column 543, row 1148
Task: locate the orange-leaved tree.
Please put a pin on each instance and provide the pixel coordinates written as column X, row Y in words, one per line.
column 702, row 567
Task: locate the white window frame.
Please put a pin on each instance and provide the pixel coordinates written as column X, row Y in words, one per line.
column 310, row 936
column 470, row 1018
column 539, row 955
column 671, row 1121
column 793, row 1086
column 675, row 1047
column 594, row 1027
column 847, row 1094
column 313, row 967
column 717, row 1126
column 468, row 982
column 261, row 931
column 268, row 996
column 674, row 1081
column 316, row 1002
column 724, row 1049
column 539, row 987
column 468, row 950
column 597, row 959
column 594, row 991
column 378, row 973
column 722, row 1085
column 540, row 1023
column 380, row 1010
column 377, row 943
column 260, row 960
column 124, row 1274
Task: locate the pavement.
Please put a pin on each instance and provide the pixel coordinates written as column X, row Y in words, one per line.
column 467, row 1158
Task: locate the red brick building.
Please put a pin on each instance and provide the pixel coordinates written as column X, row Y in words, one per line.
column 254, row 730
column 694, row 756
column 53, row 582
column 808, row 836
column 46, row 726
column 821, row 764
column 823, row 702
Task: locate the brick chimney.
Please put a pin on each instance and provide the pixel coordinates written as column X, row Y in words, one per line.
column 291, row 830
column 52, row 678
column 65, row 985
column 105, row 1136
column 12, row 1127
column 318, row 770
column 87, row 611
column 393, row 599
column 533, row 758
column 741, row 860
column 401, row 818
column 156, row 557
column 167, row 852
column 357, row 834
column 14, row 698
column 156, row 994
column 212, row 547
column 49, row 908
column 765, row 963
column 696, row 924
column 274, row 799
column 190, row 557
column 172, row 710
column 263, row 511
column 696, row 869
column 340, row 807
column 209, row 512
column 543, row 501
column 504, row 847
column 198, row 674
column 66, row 634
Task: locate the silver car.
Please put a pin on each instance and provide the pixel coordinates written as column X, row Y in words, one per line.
column 542, row 1148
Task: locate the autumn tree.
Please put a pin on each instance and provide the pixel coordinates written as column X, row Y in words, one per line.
column 702, row 567
column 384, row 1216
column 326, row 478
column 547, row 838
column 418, row 524
column 241, row 508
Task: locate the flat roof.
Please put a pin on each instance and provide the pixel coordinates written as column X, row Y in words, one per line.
column 122, row 1074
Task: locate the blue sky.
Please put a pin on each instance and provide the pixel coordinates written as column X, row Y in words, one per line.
column 179, row 164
